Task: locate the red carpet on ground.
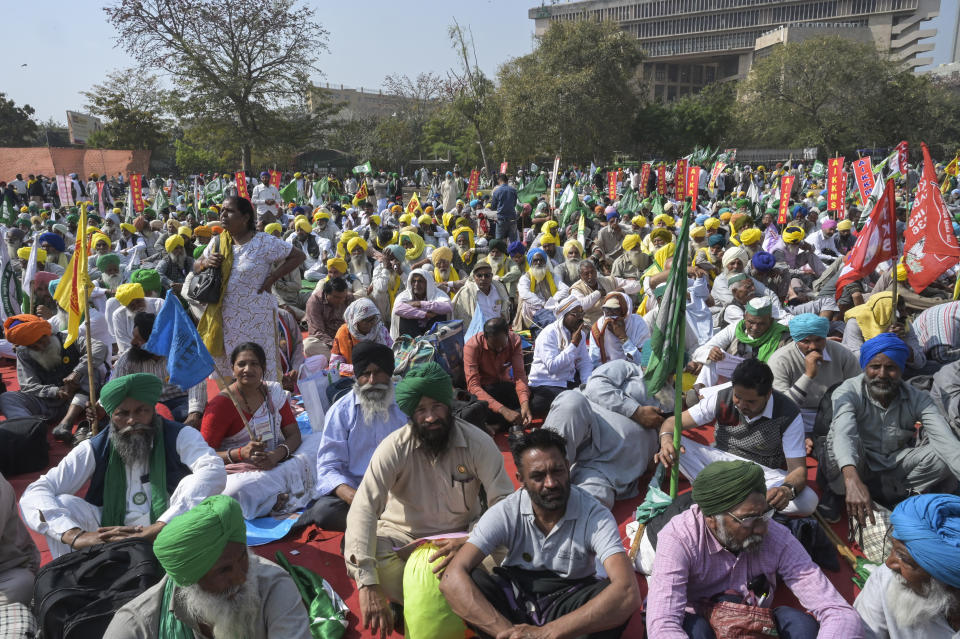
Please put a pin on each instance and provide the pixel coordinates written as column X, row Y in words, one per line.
column 319, row 550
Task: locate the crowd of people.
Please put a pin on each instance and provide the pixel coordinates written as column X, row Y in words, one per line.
column 558, row 295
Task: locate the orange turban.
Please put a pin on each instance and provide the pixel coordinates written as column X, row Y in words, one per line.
column 26, row 330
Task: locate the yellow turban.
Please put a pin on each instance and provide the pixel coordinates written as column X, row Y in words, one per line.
column 416, row 251
column 117, row 212
column 664, row 253
column 129, row 228
column 844, row 225
column 630, row 242
column 337, row 263
column 185, row 231
column 300, row 218
column 573, row 244
column 424, row 219
column 172, row 243
column 354, row 242
column 549, row 226
column 639, row 220
column 406, row 219
column 698, row 232
column 126, row 293
column 274, row 227
column 375, row 219
column 100, row 237
column 321, row 215
column 396, row 208
column 661, row 233
column 441, row 253
column 549, row 239
column 793, row 234
column 726, row 215
column 664, row 219
column 24, row 254
column 457, row 232
column 202, row 231
column 711, row 223
column 751, row 236
column 303, row 225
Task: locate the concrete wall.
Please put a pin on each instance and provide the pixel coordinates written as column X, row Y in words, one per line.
column 51, row 161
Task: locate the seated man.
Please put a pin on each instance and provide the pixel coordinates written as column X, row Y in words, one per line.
column 874, row 451
column 537, row 291
column 555, row 534
column 214, row 586
column 186, row 406
column 493, row 365
column 756, row 335
column 559, row 356
column 447, row 278
column 19, row 559
column 481, row 293
column 176, row 263
column 807, row 370
column 916, row 593
column 726, row 543
column 619, row 333
column 938, row 329
column 53, row 378
column 755, row 423
column 130, row 301
column 633, row 262
column 119, row 463
column 946, row 392
column 110, row 274
column 325, row 316
column 434, row 454
column 353, row 427
column 419, row 306
column 874, row 317
column 609, row 430
column 593, row 289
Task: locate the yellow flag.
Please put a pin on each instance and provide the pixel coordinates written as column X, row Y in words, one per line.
column 361, row 192
column 75, row 285
column 954, row 167
column 413, row 206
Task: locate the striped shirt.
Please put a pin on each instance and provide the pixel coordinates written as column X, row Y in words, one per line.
column 938, row 330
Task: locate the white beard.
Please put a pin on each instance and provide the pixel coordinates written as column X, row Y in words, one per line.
column 375, row 401
column 49, row 358
column 112, row 281
column 538, row 272
column 911, row 609
column 358, row 264
column 496, row 263
column 232, row 617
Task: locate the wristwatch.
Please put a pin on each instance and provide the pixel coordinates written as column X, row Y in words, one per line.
column 793, row 491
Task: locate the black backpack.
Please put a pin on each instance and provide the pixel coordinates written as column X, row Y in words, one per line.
column 76, row 595
column 23, row 446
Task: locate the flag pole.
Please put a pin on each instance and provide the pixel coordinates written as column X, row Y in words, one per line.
column 678, row 375
column 91, row 380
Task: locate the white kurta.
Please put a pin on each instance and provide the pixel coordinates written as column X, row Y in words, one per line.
column 50, row 505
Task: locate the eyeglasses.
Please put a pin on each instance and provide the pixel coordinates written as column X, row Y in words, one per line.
column 482, row 275
column 749, row 522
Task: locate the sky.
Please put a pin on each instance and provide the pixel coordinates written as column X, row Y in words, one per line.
column 367, row 42
column 69, row 46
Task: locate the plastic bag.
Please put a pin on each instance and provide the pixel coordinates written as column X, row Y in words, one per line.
column 426, row 613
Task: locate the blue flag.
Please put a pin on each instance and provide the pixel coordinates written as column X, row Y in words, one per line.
column 476, row 324
column 175, row 337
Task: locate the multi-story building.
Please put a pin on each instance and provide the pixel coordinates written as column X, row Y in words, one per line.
column 358, row 103
column 692, row 43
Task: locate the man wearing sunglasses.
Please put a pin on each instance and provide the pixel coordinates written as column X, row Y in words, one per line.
column 725, row 548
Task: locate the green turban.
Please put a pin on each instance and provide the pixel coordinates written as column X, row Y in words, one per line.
column 73, row 218
column 106, row 260
column 148, row 278
column 426, row 379
column 198, row 251
column 189, row 545
column 723, row 485
column 143, row 387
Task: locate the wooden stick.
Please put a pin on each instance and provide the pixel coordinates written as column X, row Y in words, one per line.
column 91, row 380
column 635, row 543
column 233, row 398
column 842, row 548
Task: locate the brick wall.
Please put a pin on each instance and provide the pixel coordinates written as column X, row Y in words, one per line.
column 58, row 161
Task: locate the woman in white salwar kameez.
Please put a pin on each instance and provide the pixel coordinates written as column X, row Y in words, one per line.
column 275, row 471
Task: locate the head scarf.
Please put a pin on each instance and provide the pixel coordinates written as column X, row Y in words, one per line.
column 398, row 252
column 418, row 247
column 370, row 351
column 735, row 253
column 929, row 526
column 190, row 545
column 737, row 220
column 147, row 277
column 361, row 309
column 354, row 242
column 888, row 344
column 129, row 228
column 808, row 324
column 498, row 245
column 698, row 232
column 662, row 254
column 425, row 379
column 24, row 254
column 763, row 261
column 723, row 485
column 100, row 237
column 337, row 263
column 751, row 236
column 568, row 304
column 185, row 231
column 532, row 253
column 173, row 242
column 873, row 316
column 639, row 220
column 516, row 247
column 202, row 231
column 441, row 253
column 142, row 387
column 711, row 223
column 457, row 232
column 304, row 226
column 629, row 243
column 25, row 330
column 126, row 293
column 828, row 224
column 664, row 219
column 54, row 241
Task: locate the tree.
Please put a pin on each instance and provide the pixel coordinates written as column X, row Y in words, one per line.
column 574, row 95
column 237, row 63
column 673, row 130
column 130, row 103
column 420, row 97
column 17, row 127
column 473, row 93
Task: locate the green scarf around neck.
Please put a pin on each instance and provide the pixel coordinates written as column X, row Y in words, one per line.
column 170, row 627
column 766, row 344
column 115, row 483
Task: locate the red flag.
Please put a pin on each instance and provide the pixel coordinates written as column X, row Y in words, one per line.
column 612, row 185
column 834, row 194
column 693, row 186
column 786, row 185
column 680, row 181
column 644, row 179
column 275, row 178
column 662, row 179
column 877, row 241
column 474, row 183
column 863, row 171
column 241, row 178
column 136, row 191
column 930, row 246
column 503, row 166
column 903, row 154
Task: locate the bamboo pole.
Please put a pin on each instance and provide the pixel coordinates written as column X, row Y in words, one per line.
column 91, row 380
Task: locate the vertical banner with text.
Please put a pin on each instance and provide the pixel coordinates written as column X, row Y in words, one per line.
column 693, row 187
column 474, row 184
column 863, row 172
column 645, row 180
column 503, row 166
column 65, row 190
column 275, row 178
column 786, row 185
column 714, row 172
column 136, row 192
column 834, row 194
column 662, row 179
column 612, row 185
column 242, row 184
column 680, row 180
column 553, row 182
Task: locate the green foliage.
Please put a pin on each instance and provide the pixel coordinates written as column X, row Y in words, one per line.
column 574, row 94
column 17, row 127
column 130, row 105
column 674, row 129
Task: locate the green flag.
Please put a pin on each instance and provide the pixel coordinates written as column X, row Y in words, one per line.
column 289, row 193
column 160, row 201
column 818, row 170
column 657, row 205
column 533, row 190
column 629, row 202
column 366, row 167
column 321, row 189
column 571, row 206
column 213, row 187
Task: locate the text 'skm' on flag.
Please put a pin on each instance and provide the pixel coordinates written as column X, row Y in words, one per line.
column 876, row 243
column 175, row 337
column 75, row 284
column 930, row 246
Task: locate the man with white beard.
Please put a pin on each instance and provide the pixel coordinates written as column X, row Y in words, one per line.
column 214, row 586
column 568, row 270
column 916, row 593
column 176, row 263
column 110, row 275
column 353, row 427
column 633, row 262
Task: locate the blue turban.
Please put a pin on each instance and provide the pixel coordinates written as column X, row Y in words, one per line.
column 516, row 247
column 54, row 240
column 299, row 210
column 807, row 324
column 700, row 219
column 612, row 214
column 52, row 286
column 929, row 526
column 888, row 344
column 474, row 203
column 799, row 211
column 532, row 253
column 763, row 261
column 717, row 239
